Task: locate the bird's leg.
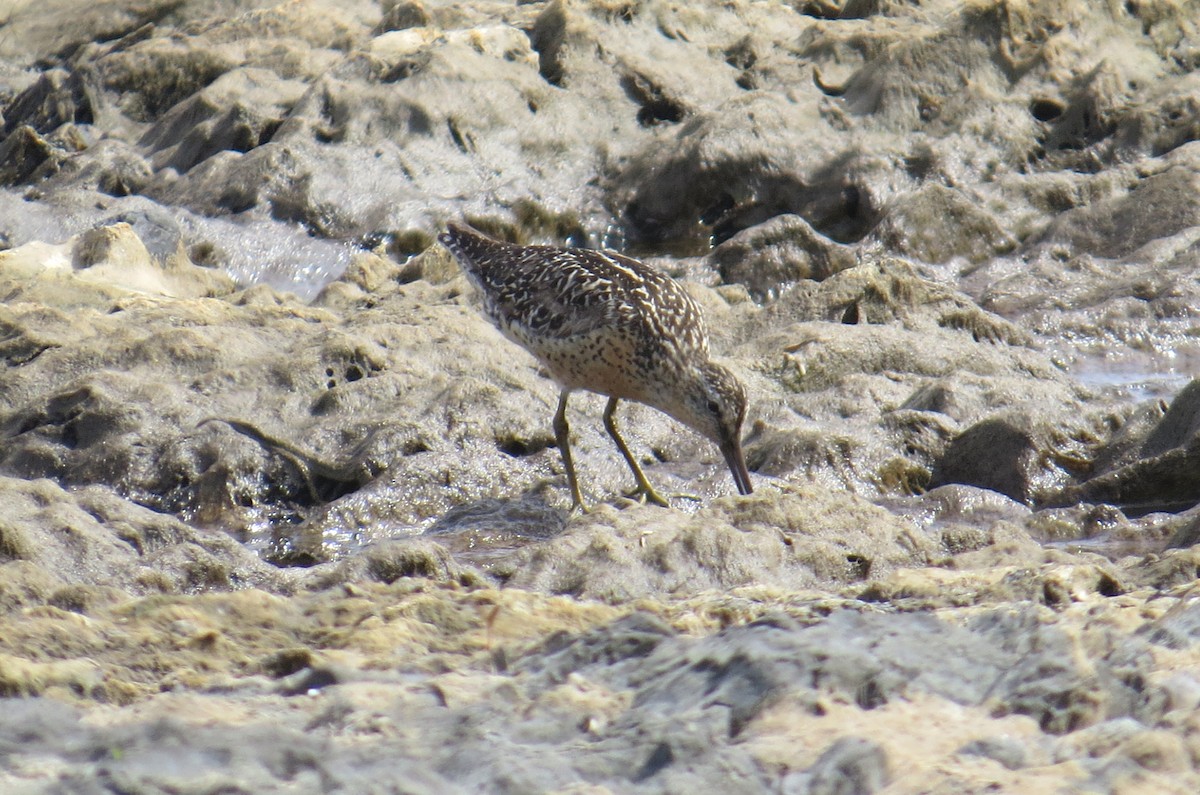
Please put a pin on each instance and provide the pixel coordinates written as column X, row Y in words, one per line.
column 562, row 438
column 644, row 490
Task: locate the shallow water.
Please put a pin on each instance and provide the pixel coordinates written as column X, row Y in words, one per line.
column 1137, row 375
column 251, row 250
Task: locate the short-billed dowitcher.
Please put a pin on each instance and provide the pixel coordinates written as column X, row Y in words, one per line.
column 608, row 324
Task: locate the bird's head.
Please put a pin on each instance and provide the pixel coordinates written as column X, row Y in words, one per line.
column 714, row 405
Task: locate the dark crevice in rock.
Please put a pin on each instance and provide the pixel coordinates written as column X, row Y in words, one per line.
column 415, row 447
column 654, row 106
column 405, row 68
column 402, row 16
column 1045, row 109
column 741, row 55
column 725, row 203
column 463, row 141
column 821, row 9
column 660, row 758
column 237, row 199
column 548, row 38
column 626, row 12
column 56, row 98
column 521, row 448
column 21, row 154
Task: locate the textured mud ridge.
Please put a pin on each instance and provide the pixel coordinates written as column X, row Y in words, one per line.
column 281, row 512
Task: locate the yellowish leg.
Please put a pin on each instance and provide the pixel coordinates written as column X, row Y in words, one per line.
column 644, row 490
column 562, row 437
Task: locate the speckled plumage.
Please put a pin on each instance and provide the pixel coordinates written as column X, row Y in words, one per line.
column 609, row 324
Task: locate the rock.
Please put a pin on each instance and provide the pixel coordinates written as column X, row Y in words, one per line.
column 158, row 231
column 57, row 97
column 1012, row 455
column 1126, row 740
column 851, row 764
column 1005, row 750
column 1178, row 426
column 22, row 153
column 60, row 27
column 153, row 75
column 94, row 537
column 774, row 254
column 1187, row 535
column 666, row 190
column 238, row 111
column 1159, row 475
column 1161, row 204
column 890, row 291
column 97, row 266
column 936, row 224
column 877, row 335
column 112, row 168
column 403, row 15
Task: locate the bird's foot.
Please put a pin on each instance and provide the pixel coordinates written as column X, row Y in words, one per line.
column 648, row 494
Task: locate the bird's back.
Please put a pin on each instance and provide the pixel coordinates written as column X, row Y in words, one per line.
column 557, row 292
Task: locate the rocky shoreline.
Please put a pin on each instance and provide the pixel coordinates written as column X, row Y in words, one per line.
column 281, row 512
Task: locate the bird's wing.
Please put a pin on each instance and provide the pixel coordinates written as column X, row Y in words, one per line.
column 559, row 293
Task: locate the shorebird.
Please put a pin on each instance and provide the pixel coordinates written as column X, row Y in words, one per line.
column 609, row 324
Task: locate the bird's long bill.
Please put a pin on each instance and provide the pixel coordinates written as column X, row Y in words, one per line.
column 732, row 450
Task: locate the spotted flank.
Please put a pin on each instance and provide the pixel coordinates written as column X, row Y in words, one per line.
column 606, row 323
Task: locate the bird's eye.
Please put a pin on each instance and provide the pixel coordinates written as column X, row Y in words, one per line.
column 714, row 407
